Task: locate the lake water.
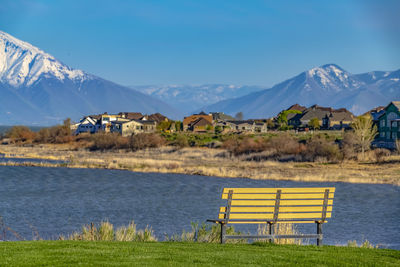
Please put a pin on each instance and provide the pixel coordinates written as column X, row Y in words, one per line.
column 53, row 201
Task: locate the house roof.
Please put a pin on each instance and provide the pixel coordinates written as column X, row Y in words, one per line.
column 96, row 117
column 157, row 117
column 396, row 104
column 192, row 118
column 200, row 122
column 297, row 107
column 341, row 116
column 319, row 112
column 131, row 115
column 88, row 119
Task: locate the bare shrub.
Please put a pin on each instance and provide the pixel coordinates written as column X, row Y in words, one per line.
column 58, row 134
column 319, row 147
column 245, row 146
column 20, row 134
column 107, row 141
column 146, row 140
column 349, row 145
column 280, row 229
column 285, row 144
column 380, row 154
column 231, row 144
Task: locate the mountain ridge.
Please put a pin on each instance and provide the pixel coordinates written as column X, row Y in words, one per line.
column 327, row 85
column 38, row 89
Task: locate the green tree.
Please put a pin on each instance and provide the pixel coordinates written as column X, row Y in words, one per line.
column 218, row 129
column 163, row 126
column 364, row 131
column 314, row 123
column 282, row 119
column 178, row 126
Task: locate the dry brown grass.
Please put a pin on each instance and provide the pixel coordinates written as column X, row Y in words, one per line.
column 209, row 162
column 281, row 229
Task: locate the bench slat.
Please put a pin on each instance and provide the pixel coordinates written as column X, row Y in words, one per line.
column 281, row 209
column 311, row 215
column 273, row 196
column 282, row 202
column 283, row 190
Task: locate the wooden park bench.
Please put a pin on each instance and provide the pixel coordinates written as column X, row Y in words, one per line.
column 275, row 205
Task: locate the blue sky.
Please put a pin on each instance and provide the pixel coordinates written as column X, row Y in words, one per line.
column 195, row 42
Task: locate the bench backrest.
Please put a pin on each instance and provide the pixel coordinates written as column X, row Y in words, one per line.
column 277, row 205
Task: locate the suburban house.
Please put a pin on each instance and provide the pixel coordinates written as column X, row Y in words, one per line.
column 197, row 121
column 389, row 124
column 328, row 118
column 295, row 107
column 86, row 125
column 375, row 114
column 128, row 128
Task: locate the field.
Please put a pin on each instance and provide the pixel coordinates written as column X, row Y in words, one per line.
column 69, row 253
column 209, row 162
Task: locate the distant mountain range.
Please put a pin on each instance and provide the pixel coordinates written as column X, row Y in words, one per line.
column 37, row 89
column 328, row 85
column 189, row 98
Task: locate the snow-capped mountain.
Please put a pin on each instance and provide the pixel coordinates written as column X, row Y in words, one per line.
column 191, row 97
column 23, row 64
column 328, row 85
column 36, row 88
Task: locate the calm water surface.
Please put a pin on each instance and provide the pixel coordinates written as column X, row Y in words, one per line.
column 53, row 201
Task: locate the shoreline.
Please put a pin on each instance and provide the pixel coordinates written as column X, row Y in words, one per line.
column 206, row 162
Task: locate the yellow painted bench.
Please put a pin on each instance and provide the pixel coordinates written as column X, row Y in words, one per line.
column 275, row 205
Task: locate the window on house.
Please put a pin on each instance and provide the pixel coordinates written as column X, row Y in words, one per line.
column 382, row 134
column 382, row 123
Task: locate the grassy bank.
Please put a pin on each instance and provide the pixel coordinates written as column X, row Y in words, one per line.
column 68, row 253
column 210, row 162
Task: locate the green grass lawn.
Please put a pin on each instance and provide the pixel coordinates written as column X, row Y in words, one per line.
column 87, row 253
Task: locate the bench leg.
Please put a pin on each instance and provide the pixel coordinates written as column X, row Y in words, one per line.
column 319, row 232
column 270, row 231
column 223, row 232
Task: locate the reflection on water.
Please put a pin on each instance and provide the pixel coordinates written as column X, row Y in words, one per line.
column 57, row 201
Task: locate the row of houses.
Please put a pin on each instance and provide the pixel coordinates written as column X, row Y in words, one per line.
column 328, row 118
column 387, row 120
column 124, row 123
column 203, row 122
